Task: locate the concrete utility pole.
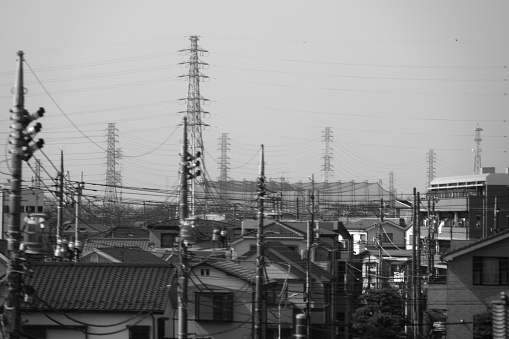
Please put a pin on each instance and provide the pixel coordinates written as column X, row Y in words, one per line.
column 418, row 275
column 77, row 242
column 413, row 275
column 260, row 259
column 379, row 281
column 183, row 214
column 189, row 170
column 21, row 149
column 309, row 244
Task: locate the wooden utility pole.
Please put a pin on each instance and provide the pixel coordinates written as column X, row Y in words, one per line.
column 260, row 260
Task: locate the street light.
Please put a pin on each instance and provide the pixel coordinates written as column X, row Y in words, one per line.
column 279, row 313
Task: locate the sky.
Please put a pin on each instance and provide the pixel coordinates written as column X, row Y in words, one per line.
column 391, row 79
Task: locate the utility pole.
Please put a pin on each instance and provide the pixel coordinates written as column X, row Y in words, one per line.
column 418, row 275
column 183, row 214
column 260, row 259
column 309, row 244
column 413, row 275
column 77, row 242
column 21, row 149
column 379, row 242
column 431, row 238
column 188, row 171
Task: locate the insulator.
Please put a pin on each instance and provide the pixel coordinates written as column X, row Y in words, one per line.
column 498, row 319
column 33, row 130
column 40, row 112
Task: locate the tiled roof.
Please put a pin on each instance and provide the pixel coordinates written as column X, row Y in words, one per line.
column 92, row 243
column 278, row 230
column 389, row 252
column 127, row 255
column 99, row 287
column 476, row 245
column 231, row 267
column 127, row 232
column 279, row 253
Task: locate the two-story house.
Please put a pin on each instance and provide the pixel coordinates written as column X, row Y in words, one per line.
column 221, row 299
column 92, row 300
column 476, row 274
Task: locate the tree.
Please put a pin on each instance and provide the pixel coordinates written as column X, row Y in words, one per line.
column 483, row 325
column 380, row 314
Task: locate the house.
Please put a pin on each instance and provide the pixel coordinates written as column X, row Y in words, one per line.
column 92, row 243
column 121, row 255
column 287, row 268
column 364, row 231
column 163, row 234
column 97, row 300
column 31, row 201
column 478, row 203
column 273, row 231
column 476, row 274
column 384, row 267
column 221, row 299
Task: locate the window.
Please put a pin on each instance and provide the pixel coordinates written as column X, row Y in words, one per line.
column 490, row 270
column 341, row 278
column 167, row 240
column 214, row 306
column 204, row 271
column 387, row 237
column 139, row 332
column 35, row 332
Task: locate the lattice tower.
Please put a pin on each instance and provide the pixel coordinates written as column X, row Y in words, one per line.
column 392, row 190
column 38, row 180
column 223, row 162
column 477, row 150
column 430, row 172
column 195, row 114
column 327, row 167
column 113, row 171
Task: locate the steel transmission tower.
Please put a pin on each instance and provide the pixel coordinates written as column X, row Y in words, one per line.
column 477, row 150
column 392, row 190
column 223, row 147
column 430, row 158
column 327, row 167
column 113, row 173
column 194, row 111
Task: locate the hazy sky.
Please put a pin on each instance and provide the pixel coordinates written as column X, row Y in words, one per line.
column 391, row 79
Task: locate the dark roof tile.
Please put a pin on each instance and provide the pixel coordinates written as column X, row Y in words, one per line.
column 99, row 287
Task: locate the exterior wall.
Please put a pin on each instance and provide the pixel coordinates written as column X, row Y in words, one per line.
column 489, row 212
column 398, row 234
column 242, row 247
column 32, row 201
column 53, row 332
column 242, row 300
column 360, row 239
column 463, row 299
